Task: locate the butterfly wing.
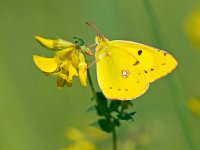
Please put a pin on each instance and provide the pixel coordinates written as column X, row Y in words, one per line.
column 155, row 62
column 120, row 75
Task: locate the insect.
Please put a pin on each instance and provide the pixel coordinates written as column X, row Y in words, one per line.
column 125, row 68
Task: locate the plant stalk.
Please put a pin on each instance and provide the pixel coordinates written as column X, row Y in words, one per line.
column 91, row 85
column 114, row 135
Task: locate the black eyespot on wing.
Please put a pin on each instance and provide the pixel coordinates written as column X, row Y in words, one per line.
column 145, row 71
column 152, row 69
column 139, row 52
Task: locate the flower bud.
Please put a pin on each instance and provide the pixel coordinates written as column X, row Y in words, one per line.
column 56, row 45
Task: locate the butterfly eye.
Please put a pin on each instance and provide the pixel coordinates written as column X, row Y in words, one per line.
column 98, row 39
column 78, row 41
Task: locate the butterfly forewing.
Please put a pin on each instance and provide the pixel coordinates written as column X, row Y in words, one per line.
column 155, row 63
column 120, row 75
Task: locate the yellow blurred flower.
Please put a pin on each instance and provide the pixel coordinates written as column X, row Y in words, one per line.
column 194, row 106
column 81, row 145
column 80, row 142
column 74, row 134
column 193, row 27
column 67, row 62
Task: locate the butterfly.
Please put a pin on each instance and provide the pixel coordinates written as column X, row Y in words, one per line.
column 125, row 68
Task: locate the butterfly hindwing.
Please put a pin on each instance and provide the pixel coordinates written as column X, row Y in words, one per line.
column 120, row 74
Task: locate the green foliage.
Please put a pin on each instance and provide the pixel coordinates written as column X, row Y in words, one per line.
column 126, row 116
column 105, row 125
column 111, row 112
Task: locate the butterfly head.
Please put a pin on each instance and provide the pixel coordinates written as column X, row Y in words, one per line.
column 100, row 39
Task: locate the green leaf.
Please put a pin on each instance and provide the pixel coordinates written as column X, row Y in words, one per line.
column 102, row 105
column 126, row 104
column 100, row 111
column 126, row 115
column 91, row 109
column 101, row 99
column 105, row 125
column 95, row 124
column 116, row 122
column 114, row 105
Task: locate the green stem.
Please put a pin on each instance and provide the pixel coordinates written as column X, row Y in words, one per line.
column 91, row 85
column 153, row 23
column 176, row 91
column 114, row 135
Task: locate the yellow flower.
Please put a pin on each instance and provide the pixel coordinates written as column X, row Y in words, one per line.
column 193, row 27
column 74, row 134
column 194, row 106
column 67, row 62
column 80, row 141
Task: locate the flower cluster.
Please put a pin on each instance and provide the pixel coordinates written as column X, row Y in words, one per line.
column 68, row 61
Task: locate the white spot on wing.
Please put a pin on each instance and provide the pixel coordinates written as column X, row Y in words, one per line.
column 125, row 73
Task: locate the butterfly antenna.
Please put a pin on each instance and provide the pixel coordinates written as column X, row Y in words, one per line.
column 95, row 29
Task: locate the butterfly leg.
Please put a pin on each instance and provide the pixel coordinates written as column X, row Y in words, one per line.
column 91, row 45
column 92, row 63
column 100, row 56
column 105, row 54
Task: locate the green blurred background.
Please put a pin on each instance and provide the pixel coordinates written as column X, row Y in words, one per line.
column 35, row 114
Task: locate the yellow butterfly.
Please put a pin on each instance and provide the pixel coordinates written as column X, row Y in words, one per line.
column 125, row 68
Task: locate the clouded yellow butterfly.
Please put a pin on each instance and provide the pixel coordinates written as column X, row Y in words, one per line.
column 125, row 68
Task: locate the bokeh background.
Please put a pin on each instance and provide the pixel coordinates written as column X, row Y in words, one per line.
column 35, row 114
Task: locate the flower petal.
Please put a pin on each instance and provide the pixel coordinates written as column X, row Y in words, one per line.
column 75, row 58
column 45, row 64
column 45, row 42
column 65, row 53
column 82, row 68
column 68, row 82
column 72, row 71
column 60, row 44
